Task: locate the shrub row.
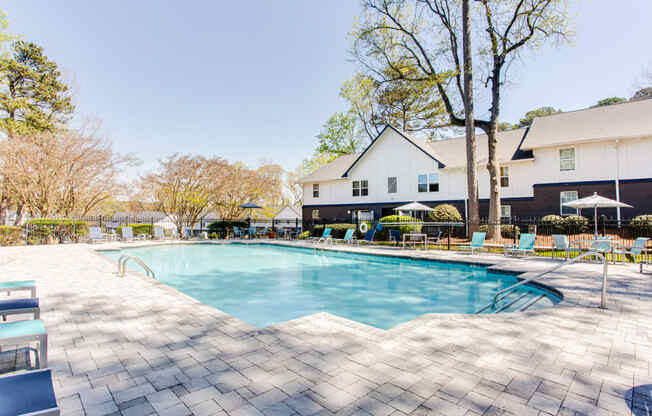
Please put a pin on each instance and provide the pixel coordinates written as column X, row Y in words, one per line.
column 642, row 226
column 10, row 235
column 46, row 228
column 147, row 229
column 384, row 233
column 337, row 230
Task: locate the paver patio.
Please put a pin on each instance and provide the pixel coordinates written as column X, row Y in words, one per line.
column 133, row 346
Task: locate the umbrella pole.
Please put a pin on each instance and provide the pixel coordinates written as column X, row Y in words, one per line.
column 595, row 220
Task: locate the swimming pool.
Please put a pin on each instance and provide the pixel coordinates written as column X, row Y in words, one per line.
column 264, row 284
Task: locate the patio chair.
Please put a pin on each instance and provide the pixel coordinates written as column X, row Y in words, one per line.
column 477, row 242
column 19, row 306
column 127, row 234
column 326, row 235
column 19, row 286
column 560, row 243
column 19, row 332
column 263, row 233
column 158, row 233
column 632, row 251
column 525, row 245
column 95, row 234
column 435, row 239
column 395, row 235
column 29, row 393
column 252, row 232
column 369, row 235
column 349, row 238
column 187, row 233
column 237, row 232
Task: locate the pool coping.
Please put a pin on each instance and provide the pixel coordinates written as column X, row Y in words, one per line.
column 567, row 298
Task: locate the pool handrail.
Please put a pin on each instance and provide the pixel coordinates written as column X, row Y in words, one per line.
column 122, row 265
column 603, row 301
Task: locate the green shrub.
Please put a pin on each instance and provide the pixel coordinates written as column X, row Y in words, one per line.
column 642, row 226
column 50, row 229
column 304, row 235
column 506, row 230
column 147, row 229
column 221, row 227
column 213, row 236
column 575, row 224
column 10, row 235
column 551, row 224
column 384, row 233
column 445, row 213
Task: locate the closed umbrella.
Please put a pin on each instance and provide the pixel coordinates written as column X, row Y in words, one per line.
column 596, row 201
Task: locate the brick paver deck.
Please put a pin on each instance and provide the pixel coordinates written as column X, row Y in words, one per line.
column 133, row 346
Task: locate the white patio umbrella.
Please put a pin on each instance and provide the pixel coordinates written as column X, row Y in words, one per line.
column 596, row 201
column 414, row 207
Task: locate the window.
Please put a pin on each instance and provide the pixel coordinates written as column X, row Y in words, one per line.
column 567, row 159
column 360, row 188
column 315, row 190
column 564, row 197
column 429, row 183
column 315, row 214
column 391, row 185
column 506, row 211
column 504, row 176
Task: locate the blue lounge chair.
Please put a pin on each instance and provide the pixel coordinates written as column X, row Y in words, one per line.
column 19, row 306
column 30, row 393
column 369, row 235
column 264, row 232
column 477, row 242
column 435, row 239
column 634, row 251
column 525, row 245
column 187, row 233
column 252, row 232
column 95, row 234
column 348, row 237
column 395, row 235
column 326, row 236
column 18, row 332
column 127, row 233
column 19, row 286
column 237, row 232
column 158, row 233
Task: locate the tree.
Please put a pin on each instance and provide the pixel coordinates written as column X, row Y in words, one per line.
column 609, row 101
column 61, row 173
column 642, row 94
column 424, row 34
column 505, row 126
column 33, row 96
column 339, row 136
column 184, row 186
column 539, row 112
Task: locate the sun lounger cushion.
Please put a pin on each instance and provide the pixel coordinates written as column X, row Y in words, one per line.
column 28, row 303
column 27, row 393
column 14, row 285
column 21, row 329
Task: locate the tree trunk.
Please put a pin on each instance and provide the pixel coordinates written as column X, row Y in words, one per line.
column 473, row 215
column 4, row 210
column 20, row 213
column 493, row 229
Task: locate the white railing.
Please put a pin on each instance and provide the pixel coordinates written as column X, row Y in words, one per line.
column 122, row 265
column 603, row 302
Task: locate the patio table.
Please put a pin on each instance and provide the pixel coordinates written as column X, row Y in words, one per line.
column 416, row 237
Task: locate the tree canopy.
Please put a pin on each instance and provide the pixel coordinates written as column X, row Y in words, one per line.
column 539, row 112
column 609, row 101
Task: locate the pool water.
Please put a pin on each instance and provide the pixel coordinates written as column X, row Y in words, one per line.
column 265, row 284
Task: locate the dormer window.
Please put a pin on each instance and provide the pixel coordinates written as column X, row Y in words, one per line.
column 315, row 190
column 567, row 159
column 360, row 188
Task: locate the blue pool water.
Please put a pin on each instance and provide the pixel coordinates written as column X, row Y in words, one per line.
column 265, row 285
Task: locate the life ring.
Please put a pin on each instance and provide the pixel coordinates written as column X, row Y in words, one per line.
column 363, row 227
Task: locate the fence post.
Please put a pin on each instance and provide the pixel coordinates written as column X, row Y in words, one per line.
column 513, row 230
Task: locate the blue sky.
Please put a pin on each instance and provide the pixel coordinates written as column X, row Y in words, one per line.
column 252, row 80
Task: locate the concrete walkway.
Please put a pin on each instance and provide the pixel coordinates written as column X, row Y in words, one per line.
column 134, row 346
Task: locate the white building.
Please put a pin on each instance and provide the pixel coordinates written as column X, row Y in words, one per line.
column 558, row 158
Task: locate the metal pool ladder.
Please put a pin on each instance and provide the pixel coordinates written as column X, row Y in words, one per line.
column 503, row 293
column 122, row 265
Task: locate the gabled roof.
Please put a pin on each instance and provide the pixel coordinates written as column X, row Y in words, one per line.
column 454, row 150
column 418, row 144
column 331, row 171
column 618, row 121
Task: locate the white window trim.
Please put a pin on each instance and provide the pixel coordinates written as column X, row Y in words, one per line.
column 312, row 214
column 315, row 187
column 360, row 188
column 561, row 206
column 501, row 211
column 395, row 184
column 574, row 158
column 427, row 175
column 507, row 176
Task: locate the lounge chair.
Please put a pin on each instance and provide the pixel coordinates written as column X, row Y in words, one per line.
column 18, row 332
column 95, row 234
column 263, row 233
column 252, row 232
column 349, row 238
column 19, row 286
column 237, row 232
column 561, row 243
column 158, row 233
column 395, row 235
column 634, row 251
column 435, row 239
column 187, row 233
column 326, row 235
column 525, row 245
column 369, row 235
column 477, row 242
column 30, row 393
column 127, row 234
column 19, row 306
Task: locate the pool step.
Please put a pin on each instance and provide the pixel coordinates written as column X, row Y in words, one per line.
column 514, row 301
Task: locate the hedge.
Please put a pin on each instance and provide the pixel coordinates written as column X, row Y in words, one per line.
column 576, row 224
column 304, row 235
column 445, row 213
column 147, row 229
column 10, row 235
column 552, row 224
column 49, row 228
column 337, row 230
column 221, row 227
column 384, row 233
column 506, row 230
column 642, row 226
